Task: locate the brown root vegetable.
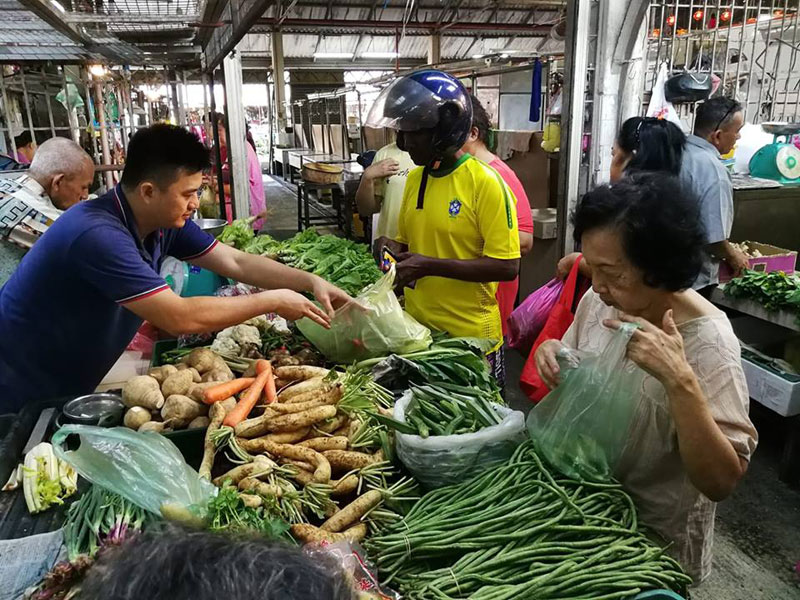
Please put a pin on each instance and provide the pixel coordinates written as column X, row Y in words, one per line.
column 303, row 477
column 286, row 361
column 306, row 533
column 256, row 445
column 345, row 486
column 136, row 417
column 196, row 378
column 305, row 466
column 201, row 359
column 217, row 414
column 328, row 394
column 309, row 385
column 256, row 426
column 197, row 391
column 162, row 372
column 306, row 418
column 286, row 409
column 251, row 500
column 261, row 465
column 249, row 484
column 155, row 426
column 142, row 391
column 181, row 410
column 219, row 364
column 321, row 444
column 342, row 431
column 353, row 511
column 344, row 460
column 322, row 469
column 300, row 373
column 217, row 375
column 340, row 421
column 228, row 404
column 178, row 383
column 181, row 366
column 199, row 423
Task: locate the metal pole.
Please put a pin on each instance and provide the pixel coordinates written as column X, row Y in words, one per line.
column 751, row 60
column 303, row 138
column 119, row 92
column 271, row 125
column 207, row 121
column 794, row 62
column 345, row 136
column 27, row 103
column 101, row 112
column 49, row 106
column 727, row 52
column 237, row 143
column 361, row 124
column 129, row 101
column 328, row 126
column 764, row 64
column 7, row 110
column 90, row 115
column 673, row 38
column 75, row 131
column 777, row 66
column 217, row 150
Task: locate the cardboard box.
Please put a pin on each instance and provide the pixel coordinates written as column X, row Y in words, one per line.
column 772, row 259
column 771, row 390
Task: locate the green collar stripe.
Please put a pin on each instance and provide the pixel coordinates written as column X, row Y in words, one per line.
column 443, row 172
column 505, row 197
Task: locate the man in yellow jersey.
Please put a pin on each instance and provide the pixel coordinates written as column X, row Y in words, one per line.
column 457, row 231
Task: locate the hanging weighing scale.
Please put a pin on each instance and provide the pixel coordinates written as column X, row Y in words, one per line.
column 779, row 160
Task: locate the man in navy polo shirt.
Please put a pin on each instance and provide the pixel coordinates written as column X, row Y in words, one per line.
column 78, row 297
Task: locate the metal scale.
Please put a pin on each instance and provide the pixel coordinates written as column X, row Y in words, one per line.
column 780, row 160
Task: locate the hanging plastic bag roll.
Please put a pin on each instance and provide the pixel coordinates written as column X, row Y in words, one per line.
column 582, row 426
column 145, row 468
column 373, row 325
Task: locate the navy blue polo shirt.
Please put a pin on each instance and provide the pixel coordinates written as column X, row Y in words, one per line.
column 63, row 321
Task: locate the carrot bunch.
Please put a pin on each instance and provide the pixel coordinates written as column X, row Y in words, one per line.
column 251, row 389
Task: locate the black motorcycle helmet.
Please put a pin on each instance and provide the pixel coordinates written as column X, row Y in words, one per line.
column 426, row 100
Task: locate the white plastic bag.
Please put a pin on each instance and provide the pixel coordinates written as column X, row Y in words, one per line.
column 659, row 107
column 441, row 460
column 373, row 325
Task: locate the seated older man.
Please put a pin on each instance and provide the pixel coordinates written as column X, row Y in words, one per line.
column 59, row 176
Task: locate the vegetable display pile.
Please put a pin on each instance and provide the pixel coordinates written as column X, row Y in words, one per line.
column 517, row 531
column 445, row 409
column 101, row 517
column 342, row 262
column 45, row 479
column 775, row 290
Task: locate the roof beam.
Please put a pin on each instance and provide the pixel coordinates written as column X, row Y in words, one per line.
column 135, row 19
column 47, row 13
column 294, row 25
column 224, row 39
column 479, row 38
column 370, row 17
column 328, row 11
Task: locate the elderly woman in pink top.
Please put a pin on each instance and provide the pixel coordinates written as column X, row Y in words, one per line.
column 476, row 145
column 26, row 148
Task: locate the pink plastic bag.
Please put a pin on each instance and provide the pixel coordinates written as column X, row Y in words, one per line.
column 528, row 318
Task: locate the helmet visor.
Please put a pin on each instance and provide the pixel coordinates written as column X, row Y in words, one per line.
column 406, row 105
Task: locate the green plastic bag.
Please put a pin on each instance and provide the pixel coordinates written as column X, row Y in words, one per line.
column 582, row 426
column 145, row 468
column 373, row 325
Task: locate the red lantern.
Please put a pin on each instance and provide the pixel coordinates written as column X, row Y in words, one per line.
column 725, row 15
column 671, row 20
column 698, row 15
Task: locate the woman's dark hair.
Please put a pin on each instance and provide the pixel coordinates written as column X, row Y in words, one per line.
column 23, row 139
column 160, row 153
column 480, row 120
column 659, row 222
column 655, row 144
column 178, row 564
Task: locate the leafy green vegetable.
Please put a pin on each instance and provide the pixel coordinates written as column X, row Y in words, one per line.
column 238, row 233
column 262, row 244
column 227, row 512
column 775, row 291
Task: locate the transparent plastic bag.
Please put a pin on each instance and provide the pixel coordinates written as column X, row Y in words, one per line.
column 353, row 561
column 373, row 325
column 582, row 426
column 145, row 468
column 442, row 460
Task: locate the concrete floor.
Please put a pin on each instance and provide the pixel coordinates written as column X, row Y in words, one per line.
column 757, row 538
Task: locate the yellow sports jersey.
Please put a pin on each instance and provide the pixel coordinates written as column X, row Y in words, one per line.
column 468, row 212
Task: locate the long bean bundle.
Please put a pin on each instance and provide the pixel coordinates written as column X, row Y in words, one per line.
column 517, row 531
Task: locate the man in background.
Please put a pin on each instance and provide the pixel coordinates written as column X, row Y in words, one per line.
column 59, row 177
column 716, row 130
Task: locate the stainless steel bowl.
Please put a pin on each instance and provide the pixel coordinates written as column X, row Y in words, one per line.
column 95, row 409
column 212, row 226
column 776, row 128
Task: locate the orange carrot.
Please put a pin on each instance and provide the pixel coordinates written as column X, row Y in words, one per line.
column 225, row 390
column 250, row 397
column 270, row 391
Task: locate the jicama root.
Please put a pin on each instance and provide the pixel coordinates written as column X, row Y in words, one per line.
column 182, row 410
column 345, row 460
column 353, row 511
column 300, row 373
column 197, row 391
column 196, row 378
column 201, row 359
column 177, row 384
column 155, row 426
column 249, row 484
column 260, row 465
column 142, row 391
column 250, row 428
column 330, row 392
column 251, row 500
column 290, row 392
column 217, row 413
column 198, row 423
column 216, row 375
column 308, row 533
column 333, row 425
column 322, row 473
column 321, row 444
column 162, row 372
column 345, row 486
column 136, row 417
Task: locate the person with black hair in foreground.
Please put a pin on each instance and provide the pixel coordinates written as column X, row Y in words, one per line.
column 78, row 297
column 717, row 125
column 194, row 565
column 691, row 438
